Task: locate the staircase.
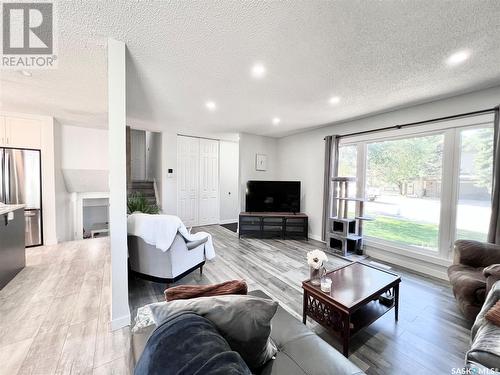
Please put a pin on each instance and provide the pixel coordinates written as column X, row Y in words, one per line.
column 145, row 188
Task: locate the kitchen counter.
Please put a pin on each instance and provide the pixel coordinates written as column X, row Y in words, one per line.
column 6, row 208
column 12, row 242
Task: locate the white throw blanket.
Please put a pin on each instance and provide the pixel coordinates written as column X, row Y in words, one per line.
column 160, row 231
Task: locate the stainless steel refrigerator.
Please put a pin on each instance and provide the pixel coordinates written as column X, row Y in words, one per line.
column 20, row 183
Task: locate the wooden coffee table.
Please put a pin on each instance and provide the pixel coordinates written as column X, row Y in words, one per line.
column 353, row 302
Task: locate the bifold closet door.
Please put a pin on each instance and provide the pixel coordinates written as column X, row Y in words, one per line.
column 188, row 167
column 209, row 182
column 197, row 180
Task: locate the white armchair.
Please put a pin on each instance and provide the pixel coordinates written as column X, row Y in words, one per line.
column 168, row 266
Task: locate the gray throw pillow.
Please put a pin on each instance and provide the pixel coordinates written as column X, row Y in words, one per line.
column 244, row 321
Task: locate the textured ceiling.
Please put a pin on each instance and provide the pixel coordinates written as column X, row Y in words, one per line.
column 375, row 55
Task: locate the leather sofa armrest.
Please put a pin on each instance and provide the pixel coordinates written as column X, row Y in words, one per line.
column 492, row 274
column 492, row 271
column 475, row 253
column 491, row 298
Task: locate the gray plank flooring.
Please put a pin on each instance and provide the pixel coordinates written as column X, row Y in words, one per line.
column 430, row 337
column 55, row 314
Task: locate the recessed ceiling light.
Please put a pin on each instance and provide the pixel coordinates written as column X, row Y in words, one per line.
column 258, row 70
column 26, row 73
column 276, row 120
column 334, row 100
column 211, row 106
column 458, row 57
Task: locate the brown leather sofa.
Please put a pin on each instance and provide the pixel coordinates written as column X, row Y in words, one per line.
column 476, row 267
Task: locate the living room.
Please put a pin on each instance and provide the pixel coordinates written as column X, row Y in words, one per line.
column 278, row 187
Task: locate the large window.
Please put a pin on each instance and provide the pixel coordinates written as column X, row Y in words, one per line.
column 348, row 168
column 403, row 187
column 425, row 186
column 474, row 188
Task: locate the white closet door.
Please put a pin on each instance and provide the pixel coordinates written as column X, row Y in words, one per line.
column 188, row 163
column 209, row 182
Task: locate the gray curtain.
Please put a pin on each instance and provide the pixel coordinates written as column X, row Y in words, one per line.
column 330, row 170
column 494, row 230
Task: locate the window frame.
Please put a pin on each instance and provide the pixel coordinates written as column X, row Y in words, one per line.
column 451, row 131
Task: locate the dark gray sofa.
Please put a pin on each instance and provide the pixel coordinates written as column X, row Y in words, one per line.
column 300, row 351
column 485, row 349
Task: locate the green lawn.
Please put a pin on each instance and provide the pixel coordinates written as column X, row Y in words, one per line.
column 411, row 233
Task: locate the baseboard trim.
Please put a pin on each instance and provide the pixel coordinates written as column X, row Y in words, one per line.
column 229, row 221
column 421, row 266
column 315, row 237
column 120, row 322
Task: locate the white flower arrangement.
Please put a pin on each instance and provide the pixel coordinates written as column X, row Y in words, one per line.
column 316, row 259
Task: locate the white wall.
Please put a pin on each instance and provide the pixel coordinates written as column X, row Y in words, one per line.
column 302, row 155
column 84, row 148
column 229, row 174
column 120, row 313
column 85, row 159
column 305, row 166
column 64, row 214
column 48, row 182
column 169, row 161
column 250, row 145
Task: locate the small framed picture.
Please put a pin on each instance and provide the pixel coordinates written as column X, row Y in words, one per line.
column 261, row 162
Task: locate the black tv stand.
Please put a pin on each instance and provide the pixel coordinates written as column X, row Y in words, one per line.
column 273, row 224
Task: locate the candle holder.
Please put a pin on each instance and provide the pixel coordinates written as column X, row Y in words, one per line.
column 326, row 284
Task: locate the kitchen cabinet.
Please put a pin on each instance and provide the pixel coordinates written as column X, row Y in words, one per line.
column 22, row 132
column 12, row 246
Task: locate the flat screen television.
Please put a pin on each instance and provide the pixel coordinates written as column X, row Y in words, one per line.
column 272, row 196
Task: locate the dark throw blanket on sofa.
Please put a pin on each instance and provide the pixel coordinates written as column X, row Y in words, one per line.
column 189, row 344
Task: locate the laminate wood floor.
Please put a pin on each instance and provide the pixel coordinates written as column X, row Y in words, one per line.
column 54, row 315
column 431, row 336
